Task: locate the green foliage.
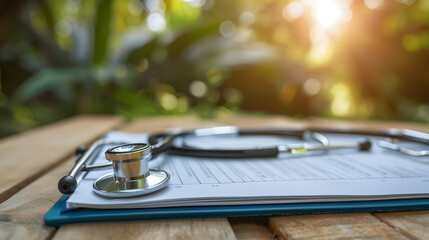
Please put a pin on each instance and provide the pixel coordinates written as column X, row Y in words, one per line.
column 155, row 57
column 102, row 28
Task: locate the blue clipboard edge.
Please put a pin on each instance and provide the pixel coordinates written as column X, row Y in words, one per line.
column 56, row 216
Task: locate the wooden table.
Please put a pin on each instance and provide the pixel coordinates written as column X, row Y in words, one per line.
column 31, row 163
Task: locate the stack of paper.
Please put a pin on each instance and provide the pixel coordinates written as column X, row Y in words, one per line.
column 340, row 175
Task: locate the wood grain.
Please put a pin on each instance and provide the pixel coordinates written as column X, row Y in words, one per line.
column 368, row 125
column 251, row 231
column 414, row 224
column 151, row 125
column 333, row 226
column 26, row 156
column 165, row 229
column 21, row 216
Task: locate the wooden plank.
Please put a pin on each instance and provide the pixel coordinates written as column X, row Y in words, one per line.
column 159, row 229
column 21, row 216
column 151, row 125
column 333, row 226
column 251, row 231
column 26, row 156
column 250, row 121
column 414, row 224
column 368, row 125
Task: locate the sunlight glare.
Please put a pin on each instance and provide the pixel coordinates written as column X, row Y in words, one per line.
column 327, row 18
column 327, row 13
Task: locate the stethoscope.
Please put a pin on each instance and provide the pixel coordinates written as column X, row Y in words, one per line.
column 131, row 175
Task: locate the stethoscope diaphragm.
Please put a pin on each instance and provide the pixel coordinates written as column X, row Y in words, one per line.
column 131, row 175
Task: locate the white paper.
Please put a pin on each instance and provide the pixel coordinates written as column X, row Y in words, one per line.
column 340, row 175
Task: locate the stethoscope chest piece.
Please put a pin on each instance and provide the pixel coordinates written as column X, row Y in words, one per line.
column 131, row 174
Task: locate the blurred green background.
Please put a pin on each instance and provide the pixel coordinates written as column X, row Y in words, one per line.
column 361, row 59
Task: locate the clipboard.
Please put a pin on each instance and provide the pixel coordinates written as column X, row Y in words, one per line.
column 59, row 215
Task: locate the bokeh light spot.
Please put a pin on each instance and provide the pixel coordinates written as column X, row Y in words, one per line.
column 196, row 3
column 214, row 76
column 63, row 28
column 143, row 66
column 227, row 28
column 182, row 104
column 156, row 22
column 312, row 87
column 341, row 103
column 293, row 10
column 232, row 95
column 247, row 18
column 198, row 88
column 373, row 4
column 411, row 43
column 168, row 101
column 121, row 71
column 340, row 107
column 406, row 2
column 423, row 112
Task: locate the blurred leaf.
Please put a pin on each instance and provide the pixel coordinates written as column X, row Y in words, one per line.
column 134, row 105
column 46, row 9
column 135, row 56
column 191, row 35
column 56, row 81
column 181, row 14
column 102, row 30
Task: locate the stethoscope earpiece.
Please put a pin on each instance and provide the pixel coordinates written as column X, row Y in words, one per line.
column 131, row 174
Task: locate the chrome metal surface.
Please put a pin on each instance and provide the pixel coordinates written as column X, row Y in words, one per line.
column 130, row 161
column 108, row 186
column 79, row 164
column 96, row 167
column 391, row 143
column 131, row 174
column 215, row 131
column 128, row 152
column 131, row 170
